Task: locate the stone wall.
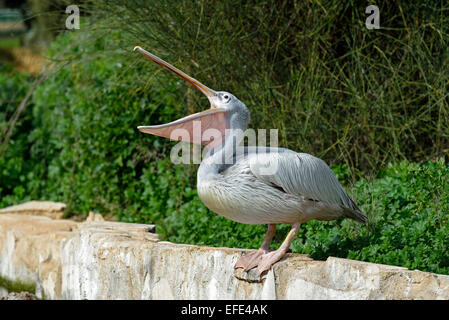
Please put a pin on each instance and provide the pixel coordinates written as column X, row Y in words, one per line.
column 63, row 259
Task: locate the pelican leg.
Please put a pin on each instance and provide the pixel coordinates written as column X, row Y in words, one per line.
column 251, row 260
column 270, row 258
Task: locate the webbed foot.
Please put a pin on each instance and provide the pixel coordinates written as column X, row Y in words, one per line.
column 250, row 260
column 267, row 260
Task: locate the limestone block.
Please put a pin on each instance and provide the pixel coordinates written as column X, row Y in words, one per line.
column 30, row 249
column 114, row 260
column 54, row 210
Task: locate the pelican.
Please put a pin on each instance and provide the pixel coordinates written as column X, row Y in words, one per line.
column 301, row 188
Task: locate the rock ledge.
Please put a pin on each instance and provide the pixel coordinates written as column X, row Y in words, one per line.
column 114, row 260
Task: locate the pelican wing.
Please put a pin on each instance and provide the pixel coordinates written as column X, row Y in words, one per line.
column 300, row 174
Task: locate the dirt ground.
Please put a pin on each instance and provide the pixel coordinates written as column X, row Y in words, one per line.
column 24, row 59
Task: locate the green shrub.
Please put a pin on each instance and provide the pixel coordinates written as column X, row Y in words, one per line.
column 309, row 68
column 408, row 205
column 14, row 148
column 86, row 146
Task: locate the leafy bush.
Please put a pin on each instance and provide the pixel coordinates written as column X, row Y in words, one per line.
column 14, row 148
column 86, row 148
column 310, row 68
column 408, row 205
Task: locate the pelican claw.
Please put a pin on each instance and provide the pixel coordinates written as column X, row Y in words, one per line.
column 250, row 260
column 269, row 259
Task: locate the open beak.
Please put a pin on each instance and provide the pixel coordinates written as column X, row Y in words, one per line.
column 207, row 91
column 206, row 127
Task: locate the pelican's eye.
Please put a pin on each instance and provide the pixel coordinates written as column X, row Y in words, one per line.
column 226, row 98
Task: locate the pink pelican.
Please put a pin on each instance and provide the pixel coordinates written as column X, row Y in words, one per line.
column 301, row 188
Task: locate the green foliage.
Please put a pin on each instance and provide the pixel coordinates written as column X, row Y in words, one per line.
column 310, row 68
column 17, row 286
column 408, row 205
column 9, row 42
column 86, row 148
column 13, row 165
column 408, row 210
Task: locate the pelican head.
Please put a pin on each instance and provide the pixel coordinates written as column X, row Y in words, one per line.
column 226, row 112
column 236, row 110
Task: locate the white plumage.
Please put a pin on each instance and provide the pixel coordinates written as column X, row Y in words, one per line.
column 302, row 188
